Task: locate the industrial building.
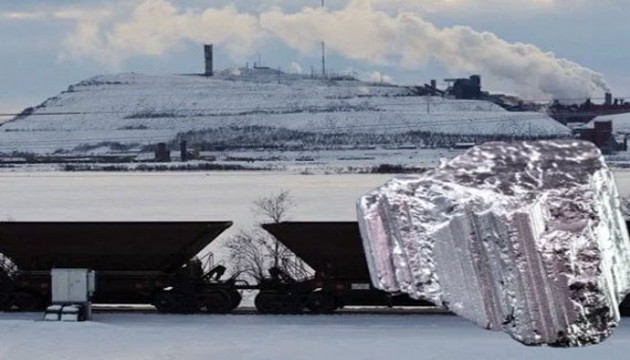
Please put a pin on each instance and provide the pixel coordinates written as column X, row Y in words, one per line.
column 601, row 133
column 588, row 111
column 609, row 132
column 457, row 88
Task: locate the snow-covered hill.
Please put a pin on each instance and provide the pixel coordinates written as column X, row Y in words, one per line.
column 248, row 108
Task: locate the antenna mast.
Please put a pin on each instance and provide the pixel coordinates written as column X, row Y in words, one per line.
column 323, row 49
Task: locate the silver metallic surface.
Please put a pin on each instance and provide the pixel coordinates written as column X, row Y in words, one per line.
column 527, row 238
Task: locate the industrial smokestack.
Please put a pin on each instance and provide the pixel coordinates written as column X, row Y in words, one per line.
column 323, row 49
column 323, row 59
column 208, row 51
column 609, row 99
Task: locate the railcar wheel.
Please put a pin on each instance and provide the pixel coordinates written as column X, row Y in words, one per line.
column 167, row 303
column 291, row 305
column 267, row 302
column 25, row 301
column 321, row 303
column 5, row 302
column 218, row 302
column 236, row 298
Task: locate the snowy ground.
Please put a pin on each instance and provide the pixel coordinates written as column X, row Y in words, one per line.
column 138, row 336
column 58, row 196
column 227, row 196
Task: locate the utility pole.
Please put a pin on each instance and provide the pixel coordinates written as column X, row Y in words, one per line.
column 323, row 49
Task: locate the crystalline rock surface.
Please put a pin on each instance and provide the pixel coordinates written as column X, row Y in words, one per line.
column 524, row 237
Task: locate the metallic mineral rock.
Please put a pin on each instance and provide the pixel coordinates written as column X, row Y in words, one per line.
column 523, row 237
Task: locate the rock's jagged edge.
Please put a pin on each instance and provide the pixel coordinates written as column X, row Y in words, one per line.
column 522, row 237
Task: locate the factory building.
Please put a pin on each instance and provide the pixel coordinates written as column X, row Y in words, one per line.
column 588, row 110
column 465, row 89
column 600, row 132
column 457, row 88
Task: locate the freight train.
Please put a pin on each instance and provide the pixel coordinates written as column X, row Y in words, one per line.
column 156, row 263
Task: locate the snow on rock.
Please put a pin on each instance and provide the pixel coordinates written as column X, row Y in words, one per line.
column 522, row 237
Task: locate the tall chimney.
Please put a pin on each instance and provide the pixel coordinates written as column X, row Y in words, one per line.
column 209, row 60
column 323, row 49
column 609, row 99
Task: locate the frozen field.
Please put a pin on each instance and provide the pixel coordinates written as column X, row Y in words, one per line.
column 227, row 196
column 57, row 196
column 175, row 196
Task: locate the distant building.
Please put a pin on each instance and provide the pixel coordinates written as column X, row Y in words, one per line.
column 465, row 89
column 588, row 111
column 162, row 153
column 600, row 132
column 457, row 88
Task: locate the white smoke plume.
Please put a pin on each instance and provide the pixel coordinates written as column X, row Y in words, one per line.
column 156, row 26
column 363, row 33
column 360, row 31
column 296, row 68
column 379, row 77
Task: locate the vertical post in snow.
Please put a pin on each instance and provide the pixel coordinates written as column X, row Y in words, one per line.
column 209, row 57
column 323, row 59
column 323, row 48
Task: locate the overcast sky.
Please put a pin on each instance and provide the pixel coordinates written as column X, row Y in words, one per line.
column 536, row 48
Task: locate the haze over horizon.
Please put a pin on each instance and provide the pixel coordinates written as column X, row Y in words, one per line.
column 538, row 49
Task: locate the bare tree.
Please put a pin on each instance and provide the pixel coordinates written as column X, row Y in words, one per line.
column 247, row 254
column 253, row 252
column 274, row 207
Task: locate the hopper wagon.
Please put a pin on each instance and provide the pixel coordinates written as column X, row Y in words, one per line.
column 135, row 262
column 155, row 263
column 334, row 250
